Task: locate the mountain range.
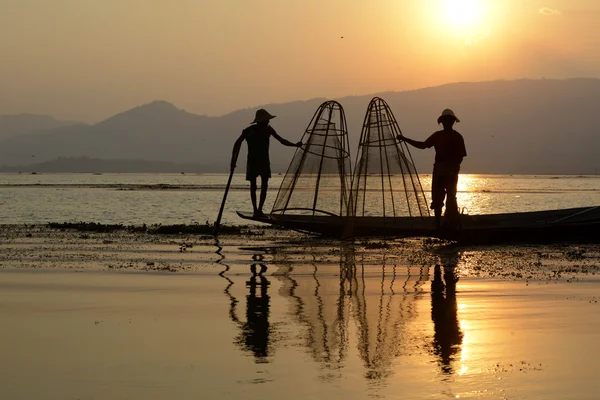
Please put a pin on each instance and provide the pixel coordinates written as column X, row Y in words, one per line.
column 11, row 125
column 523, row 126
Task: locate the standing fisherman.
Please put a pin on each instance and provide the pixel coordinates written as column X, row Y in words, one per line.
column 449, row 153
column 257, row 137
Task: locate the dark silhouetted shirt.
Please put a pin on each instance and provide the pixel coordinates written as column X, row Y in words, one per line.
column 257, row 138
column 449, row 147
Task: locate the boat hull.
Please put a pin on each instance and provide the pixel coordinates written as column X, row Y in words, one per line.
column 574, row 224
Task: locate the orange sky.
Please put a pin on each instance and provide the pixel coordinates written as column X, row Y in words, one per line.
column 88, row 59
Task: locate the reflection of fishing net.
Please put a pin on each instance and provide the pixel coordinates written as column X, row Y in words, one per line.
column 371, row 307
column 383, row 314
column 316, row 181
column 385, row 181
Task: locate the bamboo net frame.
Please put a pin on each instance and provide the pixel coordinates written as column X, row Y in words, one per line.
column 385, row 182
column 317, row 180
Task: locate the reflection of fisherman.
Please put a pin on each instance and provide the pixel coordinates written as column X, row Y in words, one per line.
column 255, row 332
column 449, row 153
column 447, row 334
column 258, row 164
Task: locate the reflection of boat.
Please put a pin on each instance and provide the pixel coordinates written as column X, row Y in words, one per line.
column 385, row 197
column 537, row 226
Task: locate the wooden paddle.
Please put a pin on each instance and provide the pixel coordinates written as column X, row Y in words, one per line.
column 218, row 221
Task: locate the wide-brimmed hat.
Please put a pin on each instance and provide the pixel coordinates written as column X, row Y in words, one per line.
column 448, row 113
column 262, row 115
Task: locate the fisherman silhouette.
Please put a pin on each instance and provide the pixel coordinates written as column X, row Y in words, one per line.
column 258, row 164
column 447, row 336
column 449, row 153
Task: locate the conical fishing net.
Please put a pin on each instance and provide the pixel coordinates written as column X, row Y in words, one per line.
column 385, row 182
column 317, row 180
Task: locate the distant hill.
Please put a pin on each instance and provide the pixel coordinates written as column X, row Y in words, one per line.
column 92, row 165
column 523, row 126
column 27, row 123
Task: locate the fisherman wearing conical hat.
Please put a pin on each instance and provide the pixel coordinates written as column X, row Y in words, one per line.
column 258, row 164
column 449, row 153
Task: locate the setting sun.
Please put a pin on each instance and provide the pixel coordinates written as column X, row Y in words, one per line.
column 463, row 15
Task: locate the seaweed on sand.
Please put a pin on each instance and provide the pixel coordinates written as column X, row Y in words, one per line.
column 376, row 245
column 158, row 229
column 206, row 229
column 87, row 226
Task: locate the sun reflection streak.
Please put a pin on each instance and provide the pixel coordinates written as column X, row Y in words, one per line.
column 464, row 353
column 465, row 327
column 466, row 183
column 473, row 194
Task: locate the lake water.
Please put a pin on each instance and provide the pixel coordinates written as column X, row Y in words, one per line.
column 177, row 198
column 355, row 332
column 294, row 318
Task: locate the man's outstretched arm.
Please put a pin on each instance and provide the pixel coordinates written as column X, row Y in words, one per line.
column 415, row 143
column 284, row 141
column 236, row 150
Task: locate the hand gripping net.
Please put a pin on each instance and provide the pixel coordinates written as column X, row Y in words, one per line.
column 316, row 182
column 385, row 182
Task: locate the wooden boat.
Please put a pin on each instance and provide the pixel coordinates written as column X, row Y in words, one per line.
column 574, row 224
column 385, row 198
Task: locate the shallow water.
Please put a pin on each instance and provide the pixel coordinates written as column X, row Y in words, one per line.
column 310, row 331
column 176, row 198
column 283, row 317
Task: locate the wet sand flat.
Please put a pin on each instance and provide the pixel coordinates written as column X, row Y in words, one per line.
column 39, row 247
column 268, row 313
column 351, row 332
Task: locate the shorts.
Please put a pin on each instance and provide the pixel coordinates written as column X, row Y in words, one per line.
column 254, row 170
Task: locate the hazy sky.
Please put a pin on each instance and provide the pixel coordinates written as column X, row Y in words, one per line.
column 88, row 59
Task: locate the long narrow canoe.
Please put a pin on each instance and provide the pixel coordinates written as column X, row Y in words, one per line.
column 574, row 224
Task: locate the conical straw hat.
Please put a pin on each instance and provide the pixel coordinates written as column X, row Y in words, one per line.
column 448, row 113
column 262, row 115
